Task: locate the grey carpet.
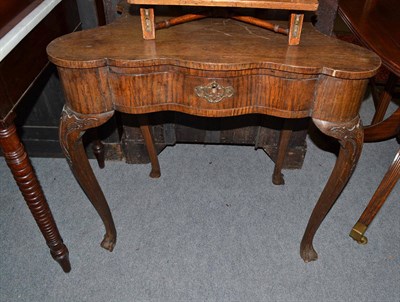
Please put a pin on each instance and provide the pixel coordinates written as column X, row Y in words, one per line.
column 212, row 228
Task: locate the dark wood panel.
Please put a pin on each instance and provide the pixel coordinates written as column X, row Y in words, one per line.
column 25, row 79
column 326, row 16
column 12, row 12
column 170, row 128
column 43, row 102
column 22, row 65
column 376, row 25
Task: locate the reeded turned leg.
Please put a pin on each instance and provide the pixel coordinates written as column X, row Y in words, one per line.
column 350, row 136
column 24, row 175
column 151, row 148
column 387, row 184
column 377, row 132
column 72, row 127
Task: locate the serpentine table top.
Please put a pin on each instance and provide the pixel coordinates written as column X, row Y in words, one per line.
column 214, row 68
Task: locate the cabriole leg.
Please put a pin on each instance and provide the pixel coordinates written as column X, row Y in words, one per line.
column 350, row 136
column 72, row 127
column 24, row 175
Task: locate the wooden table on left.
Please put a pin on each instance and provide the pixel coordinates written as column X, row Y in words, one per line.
column 18, row 71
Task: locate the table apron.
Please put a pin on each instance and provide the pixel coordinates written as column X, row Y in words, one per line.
column 211, row 93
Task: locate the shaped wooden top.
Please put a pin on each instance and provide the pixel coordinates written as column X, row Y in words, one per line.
column 212, row 44
column 306, row 5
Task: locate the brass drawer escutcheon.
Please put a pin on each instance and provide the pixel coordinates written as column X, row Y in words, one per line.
column 214, row 92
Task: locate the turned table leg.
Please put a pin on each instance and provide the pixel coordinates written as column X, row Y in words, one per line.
column 387, row 184
column 72, row 127
column 283, row 144
column 26, row 179
column 151, row 148
column 384, row 99
column 98, row 151
column 350, row 135
column 377, row 132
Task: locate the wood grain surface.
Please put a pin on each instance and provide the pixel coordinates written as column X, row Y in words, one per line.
column 376, row 24
column 308, row 5
column 212, row 44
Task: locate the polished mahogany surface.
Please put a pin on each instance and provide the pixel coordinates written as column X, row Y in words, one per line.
column 376, row 23
column 309, row 5
column 212, row 44
column 11, row 12
column 18, row 69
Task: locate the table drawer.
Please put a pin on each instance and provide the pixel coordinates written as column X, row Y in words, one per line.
column 211, row 93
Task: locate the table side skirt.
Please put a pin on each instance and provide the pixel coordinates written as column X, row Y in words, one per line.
column 264, row 91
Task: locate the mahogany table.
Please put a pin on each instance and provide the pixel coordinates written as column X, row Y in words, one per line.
column 376, row 25
column 18, row 71
column 211, row 68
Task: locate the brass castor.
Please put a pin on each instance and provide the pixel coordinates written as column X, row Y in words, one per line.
column 357, row 233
